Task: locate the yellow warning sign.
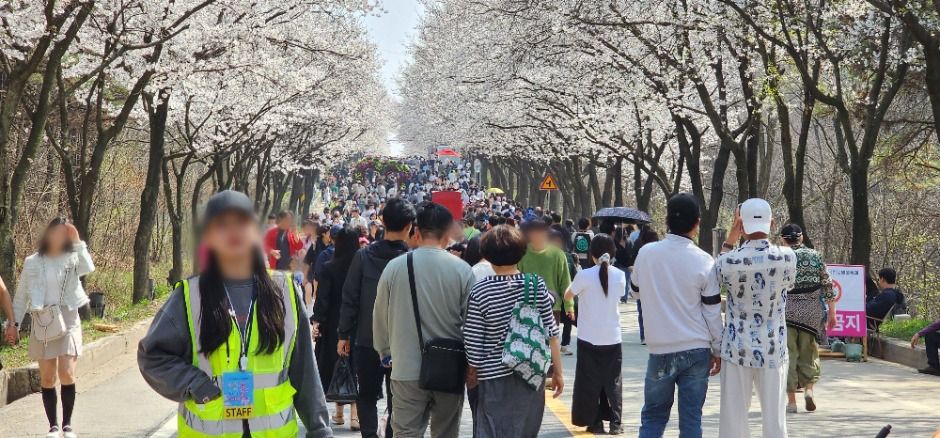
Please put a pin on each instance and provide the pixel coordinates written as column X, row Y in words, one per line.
column 548, row 183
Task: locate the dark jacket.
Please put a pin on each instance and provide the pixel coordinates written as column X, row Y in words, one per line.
column 355, row 319
column 879, row 306
column 326, row 312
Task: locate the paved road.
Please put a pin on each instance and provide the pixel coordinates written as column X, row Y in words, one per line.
column 855, row 400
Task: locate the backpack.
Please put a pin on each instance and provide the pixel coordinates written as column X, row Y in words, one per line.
column 582, row 243
column 525, row 350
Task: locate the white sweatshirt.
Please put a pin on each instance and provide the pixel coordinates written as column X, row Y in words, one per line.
column 670, row 278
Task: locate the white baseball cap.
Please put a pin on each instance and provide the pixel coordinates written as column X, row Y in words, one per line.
column 756, row 216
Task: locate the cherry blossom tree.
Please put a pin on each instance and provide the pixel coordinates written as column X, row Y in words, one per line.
column 239, row 93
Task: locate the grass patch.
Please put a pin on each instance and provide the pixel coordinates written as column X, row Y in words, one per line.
column 903, row 330
column 119, row 310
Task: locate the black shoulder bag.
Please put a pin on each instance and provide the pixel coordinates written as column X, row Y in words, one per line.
column 443, row 361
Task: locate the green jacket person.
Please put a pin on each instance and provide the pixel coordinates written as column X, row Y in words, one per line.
column 232, row 345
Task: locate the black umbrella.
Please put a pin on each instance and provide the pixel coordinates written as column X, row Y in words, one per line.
column 623, row 214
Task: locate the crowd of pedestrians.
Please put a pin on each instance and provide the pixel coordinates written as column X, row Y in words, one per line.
column 432, row 312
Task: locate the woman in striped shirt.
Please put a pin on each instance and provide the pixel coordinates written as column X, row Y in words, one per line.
column 506, row 405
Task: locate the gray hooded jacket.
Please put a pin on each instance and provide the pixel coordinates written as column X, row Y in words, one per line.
column 165, row 359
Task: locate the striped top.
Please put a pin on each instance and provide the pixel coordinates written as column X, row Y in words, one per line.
column 488, row 313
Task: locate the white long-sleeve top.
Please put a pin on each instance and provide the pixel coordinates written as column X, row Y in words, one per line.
column 680, row 312
column 42, row 279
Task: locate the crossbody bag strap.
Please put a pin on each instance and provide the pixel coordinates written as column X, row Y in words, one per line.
column 65, row 281
column 527, row 279
column 414, row 298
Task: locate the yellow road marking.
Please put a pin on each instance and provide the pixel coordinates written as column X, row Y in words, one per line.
column 563, row 414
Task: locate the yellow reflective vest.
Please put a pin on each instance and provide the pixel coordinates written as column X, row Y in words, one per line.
column 272, row 414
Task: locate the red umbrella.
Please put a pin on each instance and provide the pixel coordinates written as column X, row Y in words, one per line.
column 448, row 152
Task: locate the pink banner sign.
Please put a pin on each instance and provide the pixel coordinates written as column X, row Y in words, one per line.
column 848, row 283
column 849, row 324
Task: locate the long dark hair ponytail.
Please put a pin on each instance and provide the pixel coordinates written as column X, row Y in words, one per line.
column 603, row 249
column 216, row 321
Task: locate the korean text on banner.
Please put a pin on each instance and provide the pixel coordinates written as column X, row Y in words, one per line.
column 848, row 283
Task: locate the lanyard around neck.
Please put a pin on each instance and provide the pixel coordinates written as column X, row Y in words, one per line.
column 244, row 335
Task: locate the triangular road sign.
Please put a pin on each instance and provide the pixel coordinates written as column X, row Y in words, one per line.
column 548, row 183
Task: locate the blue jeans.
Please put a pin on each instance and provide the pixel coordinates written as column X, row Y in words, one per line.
column 626, row 290
column 664, row 372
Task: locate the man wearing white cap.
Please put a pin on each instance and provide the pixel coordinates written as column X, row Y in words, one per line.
column 757, row 276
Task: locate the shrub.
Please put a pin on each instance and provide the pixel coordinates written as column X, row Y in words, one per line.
column 904, row 330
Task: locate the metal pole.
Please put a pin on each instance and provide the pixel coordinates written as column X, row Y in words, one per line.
column 718, row 237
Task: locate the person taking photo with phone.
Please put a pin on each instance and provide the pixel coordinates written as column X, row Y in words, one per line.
column 51, row 291
column 757, row 275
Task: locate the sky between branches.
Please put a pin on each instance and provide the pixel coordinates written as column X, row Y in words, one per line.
column 392, row 32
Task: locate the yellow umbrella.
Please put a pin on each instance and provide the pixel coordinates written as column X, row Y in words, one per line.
column 495, row 190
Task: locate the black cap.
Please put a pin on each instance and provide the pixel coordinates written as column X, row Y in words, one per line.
column 683, row 206
column 682, row 213
column 791, row 232
column 228, row 201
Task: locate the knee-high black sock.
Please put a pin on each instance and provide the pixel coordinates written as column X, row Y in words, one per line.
column 49, row 401
column 68, row 403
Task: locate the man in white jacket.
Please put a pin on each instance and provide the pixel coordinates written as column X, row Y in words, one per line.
column 682, row 321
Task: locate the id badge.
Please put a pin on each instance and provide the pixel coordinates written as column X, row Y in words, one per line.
column 238, row 391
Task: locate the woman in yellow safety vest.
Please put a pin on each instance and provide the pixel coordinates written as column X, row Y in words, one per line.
column 233, row 345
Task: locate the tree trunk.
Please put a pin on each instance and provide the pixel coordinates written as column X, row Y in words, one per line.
column 581, row 193
column 710, row 215
column 610, row 173
column 510, row 180
column 17, row 182
column 150, row 196
column 176, row 234
column 740, row 170
column 174, row 202
column 794, row 162
column 296, row 192
column 618, row 182
column 281, row 184
column 932, row 77
column 19, row 75
column 194, row 212
column 861, row 218
column 595, row 187
column 310, row 182
column 752, row 145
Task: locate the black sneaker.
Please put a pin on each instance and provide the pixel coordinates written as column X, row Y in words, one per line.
column 616, row 429
column 597, row 429
column 929, row 370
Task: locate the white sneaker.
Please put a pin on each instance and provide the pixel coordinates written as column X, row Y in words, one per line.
column 566, row 352
column 67, row 432
column 53, row 432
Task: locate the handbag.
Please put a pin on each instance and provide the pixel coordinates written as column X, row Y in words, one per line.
column 47, row 323
column 343, row 386
column 525, row 350
column 443, row 361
